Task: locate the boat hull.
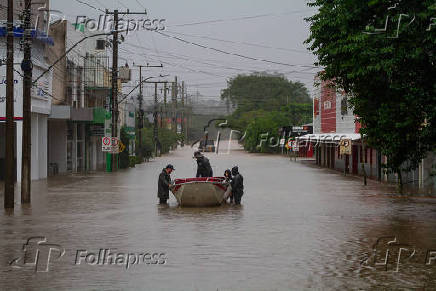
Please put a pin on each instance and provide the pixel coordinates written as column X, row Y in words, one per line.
column 199, row 193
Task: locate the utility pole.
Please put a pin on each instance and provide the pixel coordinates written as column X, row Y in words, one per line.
column 141, row 110
column 155, row 130
column 182, row 114
column 141, row 113
column 155, row 113
column 114, row 99
column 173, row 106
column 114, row 95
column 165, row 102
column 174, row 103
column 27, row 100
column 10, row 125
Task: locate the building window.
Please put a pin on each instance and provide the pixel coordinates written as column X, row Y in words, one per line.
column 344, row 106
column 100, row 44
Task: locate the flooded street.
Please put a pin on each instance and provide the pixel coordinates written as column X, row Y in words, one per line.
column 299, row 227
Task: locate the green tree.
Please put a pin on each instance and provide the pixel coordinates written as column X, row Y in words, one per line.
column 389, row 75
column 265, row 125
column 262, row 91
column 167, row 139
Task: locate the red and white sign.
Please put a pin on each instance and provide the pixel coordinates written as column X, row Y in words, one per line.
column 115, row 145
column 106, row 144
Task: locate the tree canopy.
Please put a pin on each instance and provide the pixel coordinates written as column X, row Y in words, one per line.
column 263, row 91
column 264, row 103
column 382, row 53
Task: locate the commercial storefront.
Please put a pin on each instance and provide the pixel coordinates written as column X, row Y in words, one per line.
column 40, row 109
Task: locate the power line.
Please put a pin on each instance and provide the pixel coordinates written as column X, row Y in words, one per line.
column 240, row 18
column 225, row 52
column 91, row 6
column 243, row 43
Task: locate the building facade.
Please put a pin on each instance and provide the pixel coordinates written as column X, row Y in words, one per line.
column 40, row 93
column 334, row 120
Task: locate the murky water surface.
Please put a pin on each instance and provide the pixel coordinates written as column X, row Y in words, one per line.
column 299, row 227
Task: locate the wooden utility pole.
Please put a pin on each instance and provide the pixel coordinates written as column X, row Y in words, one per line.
column 182, row 114
column 10, row 166
column 165, row 102
column 155, row 129
column 174, row 105
column 155, row 115
column 141, row 114
column 114, row 99
column 114, row 159
column 27, row 100
column 140, row 105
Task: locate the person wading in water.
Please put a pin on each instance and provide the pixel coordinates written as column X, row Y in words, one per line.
column 237, row 185
column 164, row 184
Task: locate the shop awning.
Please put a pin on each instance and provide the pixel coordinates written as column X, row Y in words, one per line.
column 329, row 137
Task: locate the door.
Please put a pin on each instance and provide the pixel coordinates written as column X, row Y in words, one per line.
column 354, row 152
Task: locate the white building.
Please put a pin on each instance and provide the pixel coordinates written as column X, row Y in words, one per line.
column 41, row 100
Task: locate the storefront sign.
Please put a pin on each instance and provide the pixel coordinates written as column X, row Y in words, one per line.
column 345, row 147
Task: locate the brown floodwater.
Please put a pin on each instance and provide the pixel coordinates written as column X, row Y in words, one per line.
column 299, row 227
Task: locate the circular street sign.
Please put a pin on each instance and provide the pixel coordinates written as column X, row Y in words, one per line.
column 106, row 141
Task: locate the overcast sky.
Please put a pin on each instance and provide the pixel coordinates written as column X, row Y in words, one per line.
column 271, row 30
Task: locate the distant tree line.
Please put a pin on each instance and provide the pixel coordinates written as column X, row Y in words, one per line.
column 264, row 103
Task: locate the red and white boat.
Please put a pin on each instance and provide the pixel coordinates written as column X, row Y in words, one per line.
column 200, row 192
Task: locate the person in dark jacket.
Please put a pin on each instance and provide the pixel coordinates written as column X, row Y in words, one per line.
column 237, row 185
column 203, row 165
column 164, row 183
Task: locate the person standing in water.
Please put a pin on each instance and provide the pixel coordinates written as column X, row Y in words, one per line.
column 164, row 183
column 237, row 185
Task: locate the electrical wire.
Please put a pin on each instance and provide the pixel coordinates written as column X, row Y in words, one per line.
column 225, row 52
column 240, row 18
column 242, row 43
